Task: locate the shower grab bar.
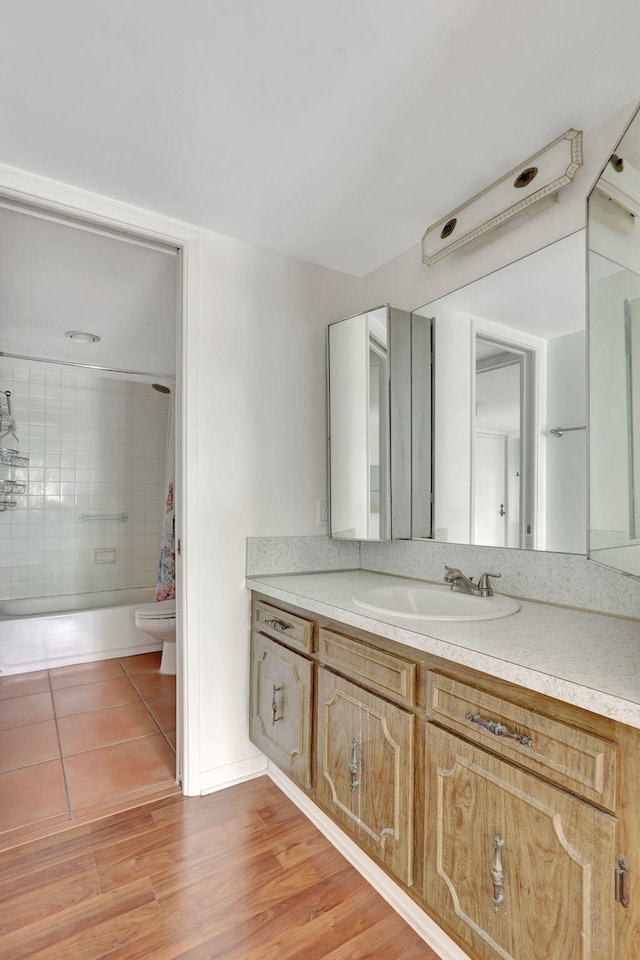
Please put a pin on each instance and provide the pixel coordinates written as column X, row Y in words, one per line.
column 120, row 517
column 559, row 431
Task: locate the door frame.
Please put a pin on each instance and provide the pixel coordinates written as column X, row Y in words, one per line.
column 48, row 198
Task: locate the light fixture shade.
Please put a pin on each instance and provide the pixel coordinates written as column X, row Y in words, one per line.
column 539, row 177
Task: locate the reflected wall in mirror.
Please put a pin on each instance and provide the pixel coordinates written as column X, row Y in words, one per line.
column 510, row 368
column 614, row 359
column 376, row 456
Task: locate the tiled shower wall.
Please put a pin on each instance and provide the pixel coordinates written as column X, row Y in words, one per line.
column 96, row 445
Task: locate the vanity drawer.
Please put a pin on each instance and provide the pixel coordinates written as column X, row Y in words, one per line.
column 386, row 673
column 281, row 706
column 285, row 627
column 572, row 758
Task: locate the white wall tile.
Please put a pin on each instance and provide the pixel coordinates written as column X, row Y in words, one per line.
column 95, row 445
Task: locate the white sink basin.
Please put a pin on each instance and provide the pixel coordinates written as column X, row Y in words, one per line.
column 434, row 602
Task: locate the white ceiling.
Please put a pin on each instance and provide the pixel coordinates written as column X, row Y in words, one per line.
column 542, row 295
column 334, row 132
column 55, row 278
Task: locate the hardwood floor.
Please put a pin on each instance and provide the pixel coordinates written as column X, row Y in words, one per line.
column 240, row 874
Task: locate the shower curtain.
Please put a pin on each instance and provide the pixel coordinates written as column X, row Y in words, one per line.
column 166, row 583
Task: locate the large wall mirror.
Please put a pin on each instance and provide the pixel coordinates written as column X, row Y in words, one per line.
column 510, row 456
column 614, row 359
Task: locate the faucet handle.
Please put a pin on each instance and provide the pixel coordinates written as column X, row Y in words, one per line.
column 484, row 587
column 451, row 573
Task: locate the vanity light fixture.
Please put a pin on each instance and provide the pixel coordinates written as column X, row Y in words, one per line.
column 80, row 337
column 538, row 178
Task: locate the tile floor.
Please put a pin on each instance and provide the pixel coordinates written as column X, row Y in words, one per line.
column 81, row 739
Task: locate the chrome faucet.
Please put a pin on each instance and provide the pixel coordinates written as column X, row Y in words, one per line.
column 461, row 584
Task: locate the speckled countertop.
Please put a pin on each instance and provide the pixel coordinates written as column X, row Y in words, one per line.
column 588, row 659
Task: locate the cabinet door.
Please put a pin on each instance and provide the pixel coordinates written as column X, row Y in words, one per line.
column 518, row 869
column 281, row 702
column 365, row 776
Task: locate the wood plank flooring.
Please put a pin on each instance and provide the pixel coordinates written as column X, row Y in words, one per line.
column 240, row 875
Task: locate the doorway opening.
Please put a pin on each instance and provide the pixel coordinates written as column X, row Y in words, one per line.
column 84, row 529
column 503, row 444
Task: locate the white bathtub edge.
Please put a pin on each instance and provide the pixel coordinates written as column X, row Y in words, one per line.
column 45, row 642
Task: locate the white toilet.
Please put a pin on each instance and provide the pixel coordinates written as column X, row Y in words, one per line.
column 159, row 621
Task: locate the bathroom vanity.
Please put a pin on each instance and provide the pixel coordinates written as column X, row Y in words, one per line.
column 491, row 768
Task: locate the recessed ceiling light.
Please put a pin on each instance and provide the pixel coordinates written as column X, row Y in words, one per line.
column 81, row 337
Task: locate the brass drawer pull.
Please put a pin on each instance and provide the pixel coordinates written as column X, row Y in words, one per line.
column 277, row 624
column 497, row 728
column 497, row 873
column 353, row 765
column 274, row 707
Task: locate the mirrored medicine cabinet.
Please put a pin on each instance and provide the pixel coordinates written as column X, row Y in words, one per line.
column 379, row 370
column 614, row 358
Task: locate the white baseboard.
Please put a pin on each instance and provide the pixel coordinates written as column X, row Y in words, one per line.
column 423, row 925
column 232, row 773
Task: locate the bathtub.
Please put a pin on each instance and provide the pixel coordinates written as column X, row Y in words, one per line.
column 43, row 632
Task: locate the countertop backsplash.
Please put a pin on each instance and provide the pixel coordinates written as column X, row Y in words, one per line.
column 272, row 555
column 560, row 578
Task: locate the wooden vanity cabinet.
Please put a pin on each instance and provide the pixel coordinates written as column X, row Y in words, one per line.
column 365, row 762
column 503, row 813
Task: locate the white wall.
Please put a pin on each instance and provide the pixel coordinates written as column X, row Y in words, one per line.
column 261, row 452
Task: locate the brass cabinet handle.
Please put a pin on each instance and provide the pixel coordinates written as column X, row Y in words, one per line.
column 497, row 728
column 622, row 882
column 274, row 707
column 277, row 624
column 353, row 765
column 497, row 873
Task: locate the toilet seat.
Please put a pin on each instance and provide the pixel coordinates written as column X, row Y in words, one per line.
column 162, row 610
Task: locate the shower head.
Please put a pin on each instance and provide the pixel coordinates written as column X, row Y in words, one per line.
column 160, row 387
